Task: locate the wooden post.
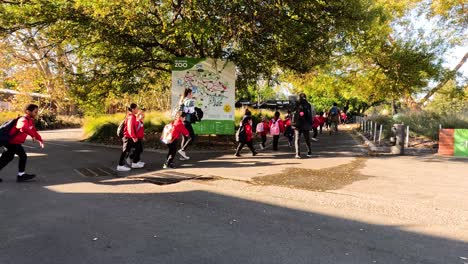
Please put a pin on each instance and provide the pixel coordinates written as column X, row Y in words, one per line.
column 380, row 134
column 407, row 137
column 375, row 132
column 399, row 131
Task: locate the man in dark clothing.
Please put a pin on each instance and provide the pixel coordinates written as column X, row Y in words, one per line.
column 302, row 124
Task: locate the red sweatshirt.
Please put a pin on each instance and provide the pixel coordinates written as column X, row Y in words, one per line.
column 23, row 128
column 321, row 120
column 248, row 132
column 316, row 121
column 179, row 128
column 131, row 127
column 140, row 130
column 266, row 128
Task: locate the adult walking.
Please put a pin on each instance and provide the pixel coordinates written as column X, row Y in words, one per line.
column 24, row 127
column 334, row 117
column 187, row 105
column 302, row 124
column 130, row 140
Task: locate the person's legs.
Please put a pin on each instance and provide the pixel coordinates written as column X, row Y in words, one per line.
column 275, row 142
column 187, row 141
column 297, row 141
column 251, row 147
column 7, row 155
column 172, row 151
column 239, row 148
column 138, row 150
column 321, row 127
column 127, row 144
column 307, row 140
column 264, row 139
column 22, row 158
column 314, row 136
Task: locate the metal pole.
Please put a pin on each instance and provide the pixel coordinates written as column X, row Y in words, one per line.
column 380, row 134
column 407, row 137
column 370, row 131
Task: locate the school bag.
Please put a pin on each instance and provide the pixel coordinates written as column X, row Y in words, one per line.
column 297, row 120
column 241, row 134
column 121, row 128
column 260, row 128
column 167, row 137
column 197, row 115
column 275, row 129
column 5, row 129
column 334, row 111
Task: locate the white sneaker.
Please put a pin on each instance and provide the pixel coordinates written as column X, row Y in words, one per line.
column 315, row 139
column 297, row 157
column 123, row 168
column 128, row 161
column 141, row 163
column 183, row 154
column 261, row 146
column 137, row 165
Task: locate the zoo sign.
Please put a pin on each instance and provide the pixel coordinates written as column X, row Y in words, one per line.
column 213, row 87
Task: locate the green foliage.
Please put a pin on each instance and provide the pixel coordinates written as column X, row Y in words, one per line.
column 46, row 120
column 451, row 98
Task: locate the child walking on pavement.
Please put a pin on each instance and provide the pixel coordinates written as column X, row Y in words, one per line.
column 18, row 133
column 129, row 140
column 247, row 123
column 177, row 130
column 140, row 133
column 288, row 130
column 315, row 125
column 276, row 128
column 263, row 128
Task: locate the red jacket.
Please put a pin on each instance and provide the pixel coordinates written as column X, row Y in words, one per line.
column 248, row 132
column 140, row 132
column 321, row 120
column 316, row 121
column 23, row 128
column 280, row 124
column 131, row 127
column 266, row 128
column 179, row 128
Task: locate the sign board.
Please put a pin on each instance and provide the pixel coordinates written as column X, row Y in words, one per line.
column 213, row 87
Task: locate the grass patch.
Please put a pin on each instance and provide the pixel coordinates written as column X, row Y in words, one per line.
column 317, row 180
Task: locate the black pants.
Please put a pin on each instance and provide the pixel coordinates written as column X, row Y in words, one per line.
column 187, row 141
column 137, row 150
column 315, row 132
column 241, row 145
column 264, row 139
column 275, row 142
column 171, row 153
column 9, row 155
column 127, row 145
column 297, row 135
column 321, row 126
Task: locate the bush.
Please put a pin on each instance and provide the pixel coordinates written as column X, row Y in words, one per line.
column 47, row 120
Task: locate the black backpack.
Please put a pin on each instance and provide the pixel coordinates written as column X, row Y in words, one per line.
column 241, row 135
column 5, row 129
column 121, row 128
column 197, row 116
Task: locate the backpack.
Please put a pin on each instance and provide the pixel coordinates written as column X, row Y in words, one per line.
column 121, row 128
column 166, row 136
column 275, row 129
column 296, row 119
column 260, row 128
column 5, row 129
column 334, row 111
column 241, row 135
column 197, row 116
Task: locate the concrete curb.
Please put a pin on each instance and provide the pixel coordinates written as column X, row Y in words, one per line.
column 369, row 143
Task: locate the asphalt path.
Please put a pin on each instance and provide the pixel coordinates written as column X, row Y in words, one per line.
column 77, row 211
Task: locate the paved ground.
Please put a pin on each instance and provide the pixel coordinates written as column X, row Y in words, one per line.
column 406, row 210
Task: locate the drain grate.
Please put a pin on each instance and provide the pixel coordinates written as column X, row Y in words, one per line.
column 165, row 178
column 95, row 172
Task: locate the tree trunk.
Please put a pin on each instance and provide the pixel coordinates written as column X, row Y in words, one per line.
column 443, row 82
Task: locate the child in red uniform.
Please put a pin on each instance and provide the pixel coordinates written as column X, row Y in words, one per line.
column 140, row 134
column 288, row 130
column 322, row 121
column 276, row 128
column 178, row 130
column 247, row 123
column 315, row 125
column 263, row 129
column 19, row 133
column 129, row 140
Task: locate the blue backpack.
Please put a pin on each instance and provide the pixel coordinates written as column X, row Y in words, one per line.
column 5, row 129
column 334, row 111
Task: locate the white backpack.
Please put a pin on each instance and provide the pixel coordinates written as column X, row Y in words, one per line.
column 166, row 136
column 260, row 128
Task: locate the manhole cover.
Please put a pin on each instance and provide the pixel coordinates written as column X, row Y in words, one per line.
column 164, row 178
column 95, row 172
